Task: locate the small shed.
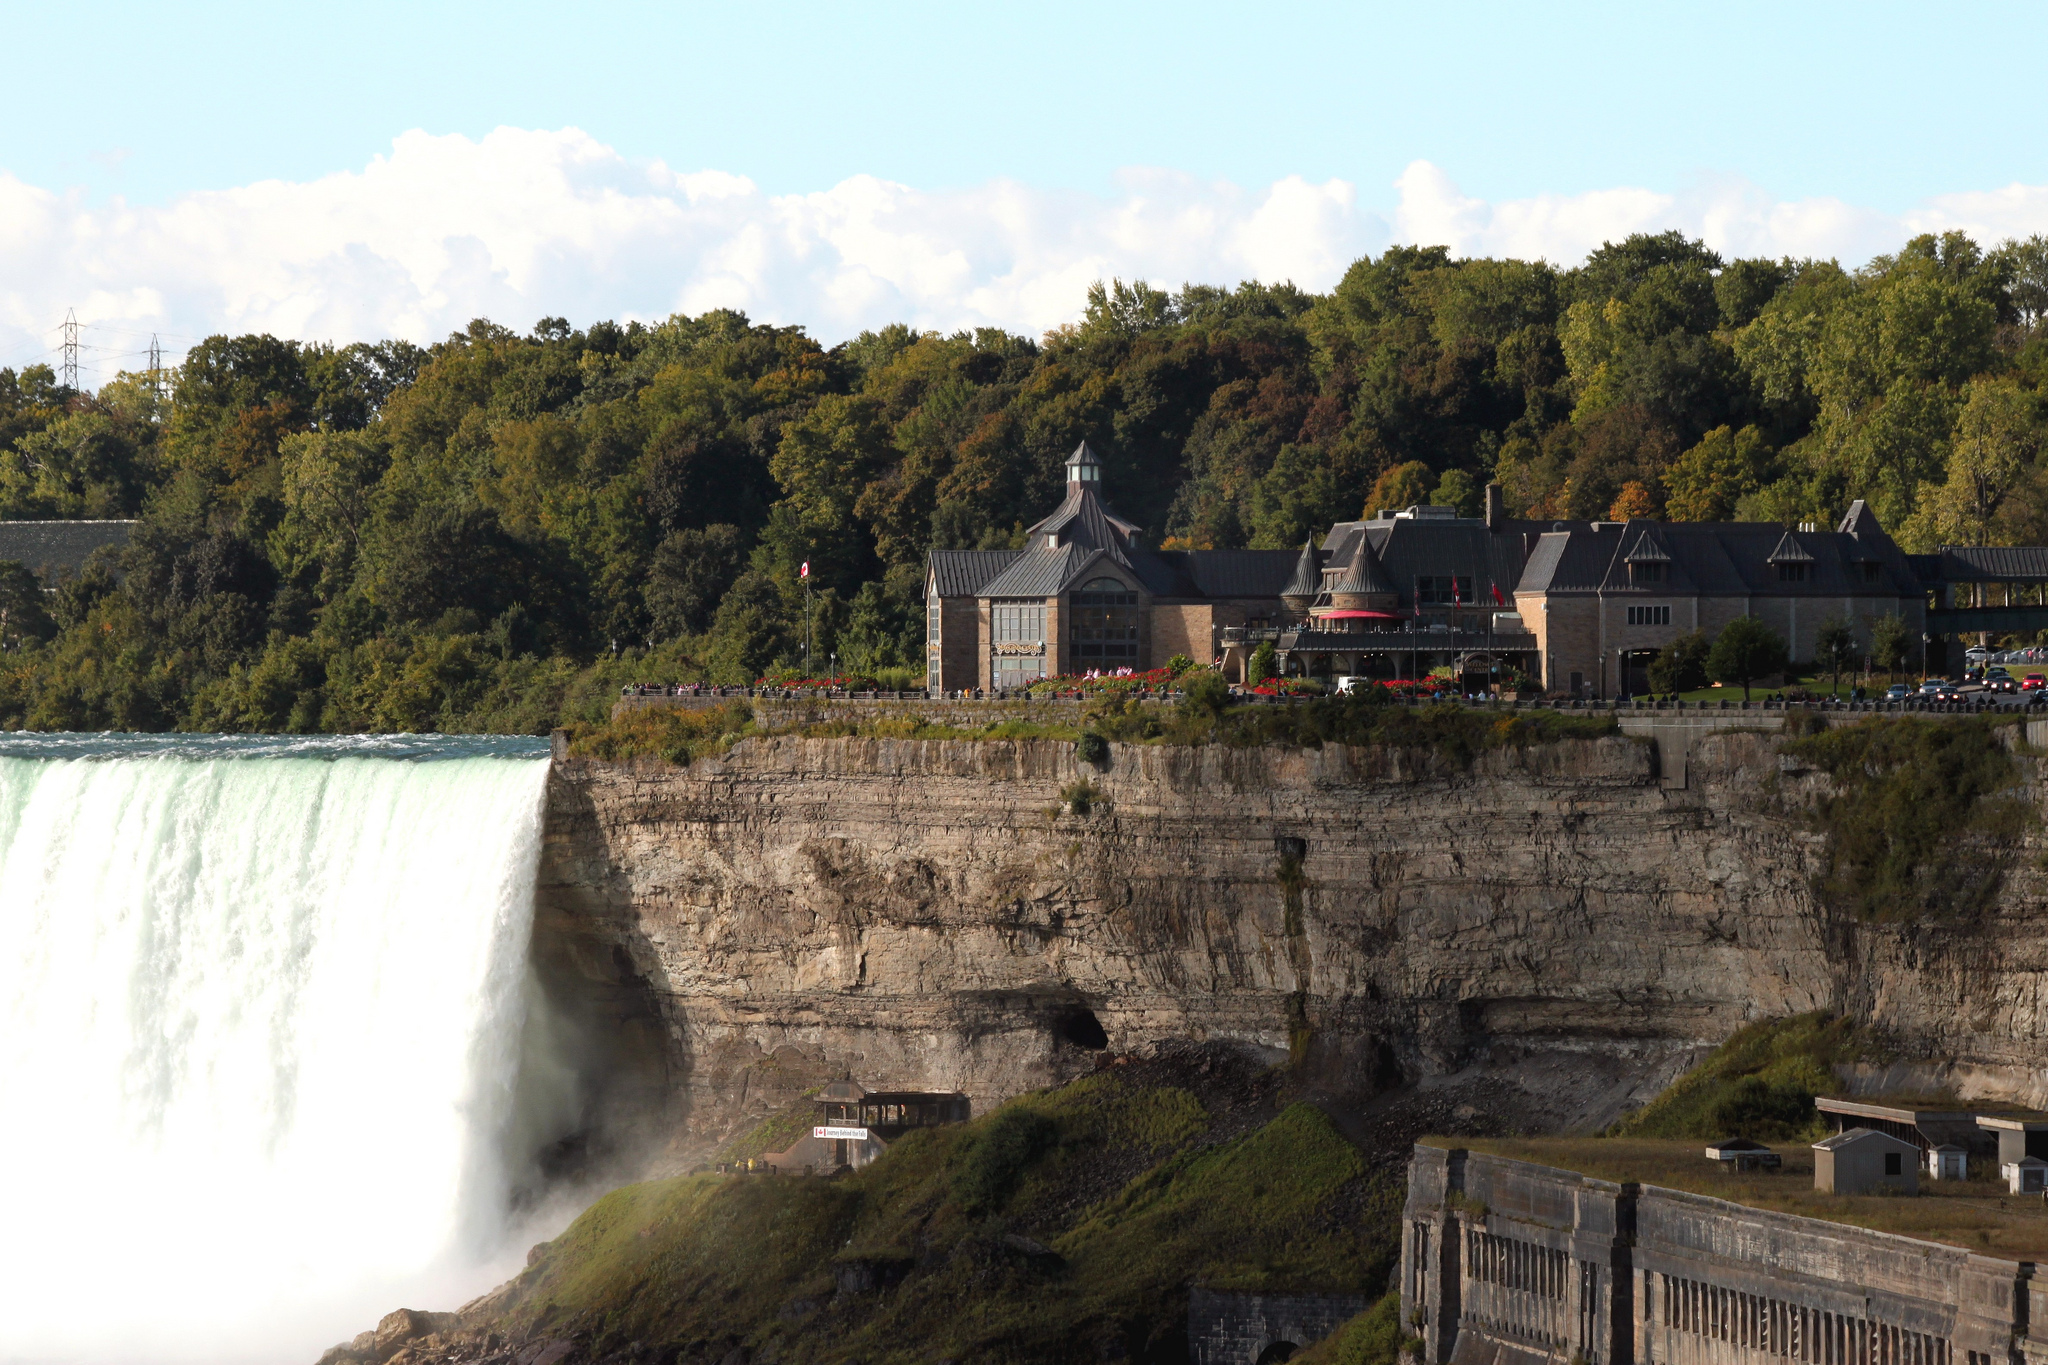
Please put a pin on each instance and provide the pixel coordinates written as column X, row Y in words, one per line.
column 1948, row 1162
column 2028, row 1175
column 1863, row 1160
column 1742, row 1154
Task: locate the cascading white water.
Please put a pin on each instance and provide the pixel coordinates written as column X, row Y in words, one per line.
column 261, row 1017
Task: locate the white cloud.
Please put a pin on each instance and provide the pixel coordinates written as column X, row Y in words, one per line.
column 522, row 224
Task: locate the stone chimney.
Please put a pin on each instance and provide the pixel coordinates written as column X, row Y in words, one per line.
column 1496, row 510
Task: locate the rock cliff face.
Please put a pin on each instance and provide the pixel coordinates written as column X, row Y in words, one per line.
column 990, row 916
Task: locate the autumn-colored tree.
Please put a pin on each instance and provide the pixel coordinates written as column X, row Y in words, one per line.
column 1633, row 504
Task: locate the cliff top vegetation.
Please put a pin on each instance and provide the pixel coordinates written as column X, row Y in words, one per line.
column 1458, row 734
column 495, row 531
column 1925, row 817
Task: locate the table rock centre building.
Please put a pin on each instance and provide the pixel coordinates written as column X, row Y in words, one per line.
column 1579, row 606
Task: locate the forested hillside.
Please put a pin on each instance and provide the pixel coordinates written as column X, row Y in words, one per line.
column 491, row 533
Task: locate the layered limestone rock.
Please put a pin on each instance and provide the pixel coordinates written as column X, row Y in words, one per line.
column 989, row 916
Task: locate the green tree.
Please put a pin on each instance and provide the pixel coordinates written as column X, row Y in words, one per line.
column 1834, row 647
column 1745, row 650
column 22, row 613
column 1706, row 482
column 1681, row 666
column 1264, row 663
column 1891, row 644
column 1459, row 490
column 688, row 576
column 1405, row 485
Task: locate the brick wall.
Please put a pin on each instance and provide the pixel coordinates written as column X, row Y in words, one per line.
column 1181, row 628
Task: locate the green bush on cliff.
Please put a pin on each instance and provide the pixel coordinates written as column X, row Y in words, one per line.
column 675, row 735
column 1924, row 819
column 1758, row 1084
column 1374, row 1337
column 1066, row 1226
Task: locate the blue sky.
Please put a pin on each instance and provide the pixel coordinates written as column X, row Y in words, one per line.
column 172, row 163
column 1881, row 105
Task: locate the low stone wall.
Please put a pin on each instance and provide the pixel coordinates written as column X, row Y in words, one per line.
column 1512, row 1263
column 965, row 713
column 1240, row 1329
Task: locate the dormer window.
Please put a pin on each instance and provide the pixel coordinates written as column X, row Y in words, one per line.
column 1052, row 542
column 1873, row 572
column 1652, row 572
column 1792, row 573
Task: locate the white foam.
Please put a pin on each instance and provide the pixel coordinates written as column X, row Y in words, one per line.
column 260, row 1024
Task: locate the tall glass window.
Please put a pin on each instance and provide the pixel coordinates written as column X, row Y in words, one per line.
column 1018, row 623
column 1104, row 633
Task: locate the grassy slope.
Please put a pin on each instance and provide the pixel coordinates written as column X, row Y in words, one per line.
column 1063, row 1226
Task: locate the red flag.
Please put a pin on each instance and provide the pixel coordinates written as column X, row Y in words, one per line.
column 1498, row 600
column 805, row 571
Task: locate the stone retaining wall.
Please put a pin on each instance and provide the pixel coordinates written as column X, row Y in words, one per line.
column 1239, row 1329
column 1508, row 1262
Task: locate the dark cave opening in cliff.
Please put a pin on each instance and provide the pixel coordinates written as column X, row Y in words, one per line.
column 1078, row 1027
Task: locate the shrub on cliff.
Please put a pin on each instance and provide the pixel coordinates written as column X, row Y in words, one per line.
column 1924, row 819
column 674, row 735
column 1758, row 1084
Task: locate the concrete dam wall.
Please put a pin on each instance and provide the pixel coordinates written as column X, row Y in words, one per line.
column 1561, row 925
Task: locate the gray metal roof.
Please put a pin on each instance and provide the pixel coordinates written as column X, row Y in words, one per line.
column 960, row 573
column 59, row 547
column 1993, row 563
column 1083, row 520
column 1041, row 572
column 1234, row 573
column 1307, row 578
column 1364, row 573
column 1790, row 551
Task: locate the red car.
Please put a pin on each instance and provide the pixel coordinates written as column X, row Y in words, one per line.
column 2033, row 682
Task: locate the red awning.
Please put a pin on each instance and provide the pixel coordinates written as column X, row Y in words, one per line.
column 1358, row 616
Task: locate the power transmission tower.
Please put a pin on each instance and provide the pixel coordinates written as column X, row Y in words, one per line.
column 156, row 365
column 71, row 349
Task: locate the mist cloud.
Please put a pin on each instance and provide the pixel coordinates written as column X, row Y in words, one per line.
column 523, row 224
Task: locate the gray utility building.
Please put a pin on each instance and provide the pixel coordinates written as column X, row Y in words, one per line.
column 1509, row 1263
column 1863, row 1160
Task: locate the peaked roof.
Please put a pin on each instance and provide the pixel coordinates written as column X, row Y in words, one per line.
column 1041, row 571
column 1307, row 579
column 1364, row 574
column 1855, row 1135
column 1083, row 454
column 1648, row 550
column 1790, row 551
column 1083, row 520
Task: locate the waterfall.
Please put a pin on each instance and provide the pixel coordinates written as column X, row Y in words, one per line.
column 262, row 1012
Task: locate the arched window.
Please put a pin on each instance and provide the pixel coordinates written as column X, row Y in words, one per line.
column 1105, row 624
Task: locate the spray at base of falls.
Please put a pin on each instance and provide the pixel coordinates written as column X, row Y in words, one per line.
column 263, row 1011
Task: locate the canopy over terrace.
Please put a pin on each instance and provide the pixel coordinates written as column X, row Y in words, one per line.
column 1985, row 590
column 1408, row 652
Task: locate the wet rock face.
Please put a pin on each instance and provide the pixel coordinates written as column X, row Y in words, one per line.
column 937, row 915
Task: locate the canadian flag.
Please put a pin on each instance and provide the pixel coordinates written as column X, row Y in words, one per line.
column 805, row 571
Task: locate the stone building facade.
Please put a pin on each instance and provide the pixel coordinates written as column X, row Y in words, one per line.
column 1085, row 595
column 1509, row 1263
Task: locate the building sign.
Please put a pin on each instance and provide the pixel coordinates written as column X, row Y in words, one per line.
column 850, row 1134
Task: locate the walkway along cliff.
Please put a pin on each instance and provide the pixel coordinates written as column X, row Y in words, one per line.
column 1560, row 924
